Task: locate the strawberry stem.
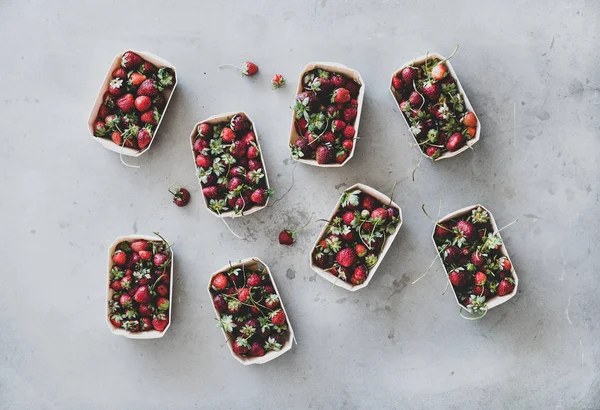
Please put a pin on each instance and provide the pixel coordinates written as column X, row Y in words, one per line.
column 230, row 230
column 473, row 318
column 230, row 65
column 451, row 55
column 121, row 154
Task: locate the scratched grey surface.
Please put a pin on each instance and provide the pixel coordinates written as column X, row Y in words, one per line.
column 64, row 198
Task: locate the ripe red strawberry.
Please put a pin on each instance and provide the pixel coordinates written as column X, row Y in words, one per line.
column 328, row 138
column 347, row 145
column 234, row 183
column 259, row 196
column 238, row 149
column 369, row 203
column 477, row 258
column 415, row 99
column 359, row 275
column 504, row 263
column 148, row 87
column 379, row 214
column 145, row 323
column 143, row 138
column 211, row 192
column 162, row 304
column 480, row 278
column 115, row 87
column 240, row 346
column 439, row 71
column 219, row 282
column 340, row 95
column 125, row 300
column 160, row 259
column 397, row 83
column 243, row 294
column 451, row 253
column 481, row 291
column 150, row 117
column 409, row 74
column 432, row 90
column 360, row 250
column 99, row 128
column 119, row 72
column 352, row 87
column 338, row 125
column 338, row 80
column 278, row 317
column 443, row 230
column 505, row 287
column 147, row 68
column 286, row 237
column 130, row 60
column 458, row 278
column 160, row 322
column 142, row 294
column 145, row 255
column 349, row 131
column 346, row 257
column 116, row 285
column 350, row 113
column 348, row 236
column 341, row 156
column 220, row 303
column 272, row 301
column 252, row 152
column 253, row 280
column 203, row 161
column 200, row 144
column 239, row 123
column 139, row 245
column 104, row 110
column 119, row 258
column 455, row 142
column 277, row 81
column 204, row 130
column 126, row 283
column 116, row 137
column 126, row 103
column 256, row 350
column 254, row 165
column 136, row 78
column 181, row 197
column 324, row 154
column 249, row 69
column 466, row 228
column 144, row 310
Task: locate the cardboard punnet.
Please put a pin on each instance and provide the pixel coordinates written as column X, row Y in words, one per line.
column 384, row 199
column 252, row 263
column 335, row 68
column 214, row 120
column 107, row 142
column 495, row 300
column 151, row 334
column 418, row 62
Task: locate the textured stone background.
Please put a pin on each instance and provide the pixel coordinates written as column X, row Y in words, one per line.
column 530, row 71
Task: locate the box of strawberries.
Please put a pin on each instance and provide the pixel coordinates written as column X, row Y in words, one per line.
column 475, row 259
column 359, row 233
column 435, row 107
column 229, row 165
column 250, row 312
column 132, row 101
column 326, row 115
column 140, row 285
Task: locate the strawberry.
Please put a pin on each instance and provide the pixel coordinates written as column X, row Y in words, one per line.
column 359, row 275
column 160, row 322
column 219, row 282
column 145, row 310
column 415, row 99
column 458, row 278
column 352, row 87
column 286, row 237
column 472, row 131
column 238, row 149
column 254, row 165
column 130, row 60
column 119, row 258
column 439, row 71
column 145, row 255
column 136, row 78
column 126, row 103
column 432, row 90
column 433, row 152
column 466, row 228
column 349, row 131
column 338, row 80
column 451, row 253
column 337, row 125
column 470, row 120
column 477, row 259
column 325, row 154
column 104, row 110
column 115, row 87
column 443, row 230
column 277, row 81
column 203, row 161
column 220, row 303
column 211, row 192
column 147, row 68
column 248, row 137
column 143, row 103
column 125, row 300
column 181, row 197
column 126, row 283
column 347, row 145
column 115, row 285
column 480, row 278
column 160, row 259
column 145, row 324
column 505, row 287
column 240, row 346
column 409, row 74
column 150, row 117
column 504, row 263
column 148, row 87
column 346, row 257
column 249, row 69
column 360, row 250
column 350, row 113
column 379, row 214
column 200, row 144
column 160, row 101
column 99, row 128
column 253, row 280
column 259, row 196
column 369, row 203
column 205, row 130
column 256, row 350
column 119, row 72
column 142, row 294
column 278, row 317
column 252, row 152
column 341, row 156
column 397, row 83
column 238, row 123
column 143, row 138
column 139, row 245
column 455, row 142
column 328, row 138
column 243, row 294
column 272, row 301
column 162, row 304
column 340, row 95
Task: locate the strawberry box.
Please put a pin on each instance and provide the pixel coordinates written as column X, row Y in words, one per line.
column 139, row 286
column 137, row 93
column 443, row 124
column 358, row 234
column 326, row 115
column 250, row 312
column 229, row 165
column 475, row 259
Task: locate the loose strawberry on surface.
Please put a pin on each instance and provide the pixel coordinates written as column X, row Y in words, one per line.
column 134, row 103
column 325, row 112
column 471, row 252
column 355, row 236
column 139, row 280
column 230, row 167
column 429, row 98
column 249, row 311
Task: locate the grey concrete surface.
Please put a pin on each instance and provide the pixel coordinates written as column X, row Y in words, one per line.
column 531, row 72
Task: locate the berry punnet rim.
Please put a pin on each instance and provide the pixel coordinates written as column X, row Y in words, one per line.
column 214, row 120
column 335, row 68
column 107, row 142
column 151, row 334
column 494, row 300
column 253, row 263
column 419, row 61
column 384, row 199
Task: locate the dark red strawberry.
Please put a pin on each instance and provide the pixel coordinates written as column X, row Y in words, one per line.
column 477, row 258
column 150, row 117
column 466, row 228
column 443, row 230
column 116, row 285
column 352, row 87
column 359, row 276
column 148, row 87
column 181, row 196
column 160, row 259
column 346, row 257
column 119, row 72
column 240, row 346
column 126, row 103
column 350, row 113
column 143, row 138
column 338, row 125
column 253, row 280
column 145, row 310
column 432, row 90
column 397, row 83
column 286, row 237
column 220, row 303
column 160, row 101
column 119, row 258
column 369, row 203
column 254, row 165
column 211, row 192
column 433, row 152
column 234, row 183
column 325, row 154
column 203, row 161
column 116, row 86
column 278, row 317
column 455, row 141
column 205, row 130
column 238, row 149
column 505, row 287
column 130, row 60
column 239, row 123
column 160, row 322
column 142, row 294
column 200, row 144
column 147, row 68
column 415, row 99
column 458, row 278
column 349, row 131
column 104, row 110
column 409, row 74
column 338, row 80
column 256, row 350
column 451, row 253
